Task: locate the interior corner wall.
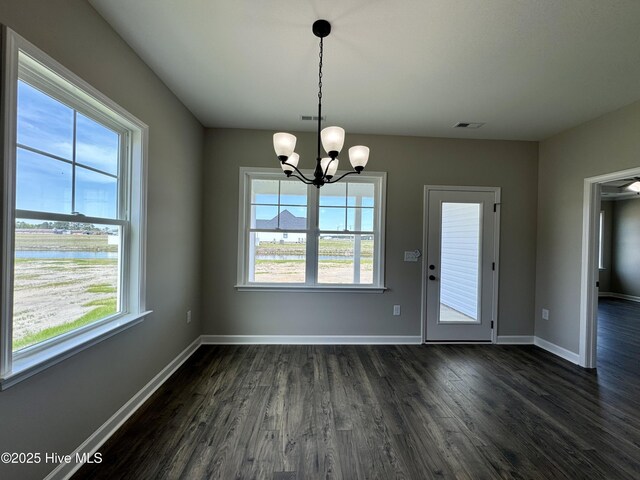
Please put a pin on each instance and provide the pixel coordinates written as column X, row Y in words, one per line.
column 57, row 409
column 411, row 163
column 607, row 144
column 625, row 271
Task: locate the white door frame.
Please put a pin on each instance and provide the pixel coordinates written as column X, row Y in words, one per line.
column 496, row 235
column 590, row 271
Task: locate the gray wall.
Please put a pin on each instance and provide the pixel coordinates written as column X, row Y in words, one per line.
column 411, row 163
column 625, row 272
column 604, row 275
column 607, row 144
column 59, row 408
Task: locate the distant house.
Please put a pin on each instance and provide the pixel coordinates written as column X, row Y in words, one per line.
column 283, row 221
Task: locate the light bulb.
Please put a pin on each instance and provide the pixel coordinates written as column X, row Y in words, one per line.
column 332, row 166
column 359, row 156
column 332, row 140
column 284, row 144
column 634, row 187
column 292, row 160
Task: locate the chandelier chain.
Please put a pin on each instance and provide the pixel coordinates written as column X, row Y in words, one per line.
column 320, row 74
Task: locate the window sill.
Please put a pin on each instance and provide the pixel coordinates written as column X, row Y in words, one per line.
column 309, row 288
column 29, row 364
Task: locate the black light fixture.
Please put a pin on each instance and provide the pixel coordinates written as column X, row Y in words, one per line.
column 331, row 138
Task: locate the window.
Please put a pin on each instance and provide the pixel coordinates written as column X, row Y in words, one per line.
column 601, row 242
column 293, row 235
column 73, row 249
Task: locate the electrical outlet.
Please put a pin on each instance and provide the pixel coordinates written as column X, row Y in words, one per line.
column 188, row 316
column 396, row 310
column 545, row 314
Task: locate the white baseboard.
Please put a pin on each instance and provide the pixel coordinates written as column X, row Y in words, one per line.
column 311, row 339
column 621, row 296
column 515, row 340
column 557, row 350
column 102, row 434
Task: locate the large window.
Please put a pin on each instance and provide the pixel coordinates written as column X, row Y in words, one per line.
column 73, row 262
column 292, row 235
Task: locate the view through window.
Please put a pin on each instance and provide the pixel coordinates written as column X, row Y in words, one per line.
column 296, row 234
column 68, row 229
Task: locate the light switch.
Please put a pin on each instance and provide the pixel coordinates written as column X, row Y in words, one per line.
column 412, row 255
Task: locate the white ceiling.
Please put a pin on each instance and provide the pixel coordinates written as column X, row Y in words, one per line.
column 616, row 190
column 529, row 69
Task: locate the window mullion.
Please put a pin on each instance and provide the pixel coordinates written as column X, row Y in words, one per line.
column 313, row 195
column 73, row 164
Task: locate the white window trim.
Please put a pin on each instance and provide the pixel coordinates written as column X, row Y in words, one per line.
column 601, row 220
column 244, row 217
column 31, row 360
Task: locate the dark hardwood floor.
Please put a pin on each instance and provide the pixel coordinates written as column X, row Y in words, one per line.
column 418, row 412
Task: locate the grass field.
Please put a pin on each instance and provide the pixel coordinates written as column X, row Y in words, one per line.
column 331, row 247
column 55, row 295
column 338, row 269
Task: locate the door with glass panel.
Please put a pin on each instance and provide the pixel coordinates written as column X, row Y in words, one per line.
column 461, row 257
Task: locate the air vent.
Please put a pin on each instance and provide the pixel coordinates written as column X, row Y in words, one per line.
column 468, row 125
column 313, row 117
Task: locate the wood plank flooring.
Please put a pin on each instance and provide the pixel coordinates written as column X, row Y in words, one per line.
column 382, row 412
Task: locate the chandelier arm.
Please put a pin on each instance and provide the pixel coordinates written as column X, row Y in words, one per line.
column 341, row 177
column 301, row 179
column 306, row 180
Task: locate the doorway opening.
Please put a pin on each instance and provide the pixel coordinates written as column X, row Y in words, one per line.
column 598, row 263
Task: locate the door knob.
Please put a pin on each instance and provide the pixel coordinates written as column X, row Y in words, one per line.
column 432, row 277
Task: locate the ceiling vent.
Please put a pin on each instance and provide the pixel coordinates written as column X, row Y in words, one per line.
column 468, row 125
column 313, row 117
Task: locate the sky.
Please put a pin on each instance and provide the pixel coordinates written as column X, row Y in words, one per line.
column 44, row 183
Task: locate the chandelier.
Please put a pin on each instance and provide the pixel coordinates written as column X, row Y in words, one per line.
column 331, row 138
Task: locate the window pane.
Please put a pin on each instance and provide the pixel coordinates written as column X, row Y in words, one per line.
column 360, row 219
column 460, row 262
column 66, row 276
column 96, row 194
column 276, row 257
column 264, row 192
column 44, row 123
column 360, row 194
column 293, row 218
column 96, row 145
column 332, row 218
column 42, row 183
column 346, row 259
column 293, row 192
column 334, row 194
column 264, row 217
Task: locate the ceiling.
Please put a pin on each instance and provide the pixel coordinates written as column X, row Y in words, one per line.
column 616, row 190
column 529, row 69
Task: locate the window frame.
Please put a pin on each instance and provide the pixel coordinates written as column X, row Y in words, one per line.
column 379, row 179
column 601, row 220
column 49, row 76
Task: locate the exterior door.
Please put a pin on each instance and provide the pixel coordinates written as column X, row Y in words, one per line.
column 461, row 263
